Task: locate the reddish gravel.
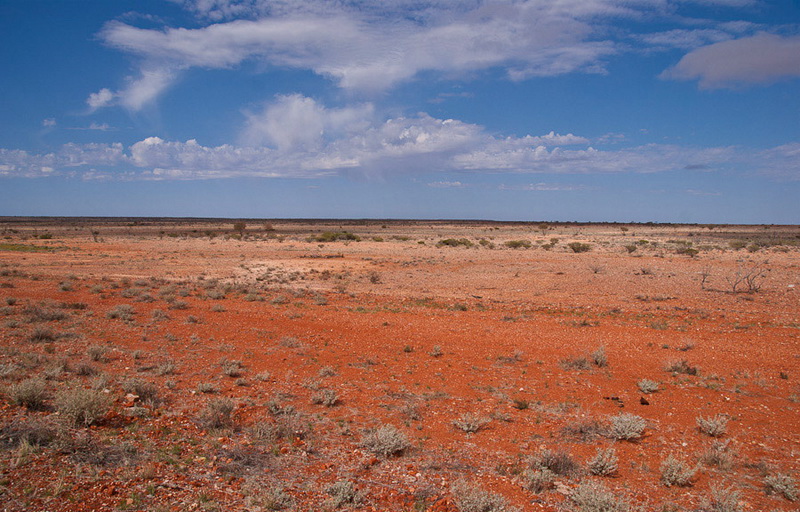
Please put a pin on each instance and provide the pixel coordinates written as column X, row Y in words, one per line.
column 405, row 333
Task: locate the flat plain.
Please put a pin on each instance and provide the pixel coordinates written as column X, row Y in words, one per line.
column 208, row 364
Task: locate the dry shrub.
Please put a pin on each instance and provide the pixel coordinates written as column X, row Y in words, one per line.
column 604, row 463
column 217, row 414
column 676, row 472
column 626, row 427
column 81, row 406
column 471, row 498
column 714, row 426
column 385, row 441
column 30, row 393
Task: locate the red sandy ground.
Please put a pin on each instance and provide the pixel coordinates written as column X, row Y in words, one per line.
column 373, row 311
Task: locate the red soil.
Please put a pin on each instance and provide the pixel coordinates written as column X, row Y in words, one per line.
column 376, row 313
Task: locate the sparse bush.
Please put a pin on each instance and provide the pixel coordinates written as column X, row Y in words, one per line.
column 97, row 353
column 122, row 312
column 333, row 236
column 599, row 358
column 584, row 431
column 232, row 368
column 718, row 454
column 146, row 391
column 436, row 351
column 558, row 462
column 682, row 367
column 604, row 462
column 41, row 334
column 538, row 479
column 722, row 499
column 166, row 368
column 470, row 422
column 326, row 397
column 270, row 497
column 44, row 313
column 385, row 441
column 714, row 426
column 676, row 472
column 575, row 363
column 217, row 414
column 782, row 485
column 647, row 386
column 85, row 369
column 454, row 242
column 518, row 244
column 158, row 315
column 471, row 498
column 30, row 393
column 207, row 387
column 82, row 406
column 343, row 492
column 626, row 427
column 579, row 247
column 595, row 497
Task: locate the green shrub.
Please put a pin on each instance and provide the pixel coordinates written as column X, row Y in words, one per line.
column 454, row 242
column 518, row 244
column 579, row 247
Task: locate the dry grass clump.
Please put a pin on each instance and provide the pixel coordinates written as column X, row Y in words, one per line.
column 42, row 334
column 604, row 462
column 122, row 312
column 385, row 441
column 595, row 497
column 471, row 422
column 343, row 492
column 675, row 472
column 30, row 393
column 781, row 484
column 682, row 366
column 722, row 499
column 471, row 498
column 259, row 496
column 232, row 368
column 718, row 454
column 81, row 406
column 217, row 414
column 147, row 392
column 97, row 353
column 647, row 386
column 626, row 427
column 326, row 397
column 44, row 313
column 714, row 426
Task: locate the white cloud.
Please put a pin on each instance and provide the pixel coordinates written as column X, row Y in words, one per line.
column 371, row 46
column 446, row 184
column 297, row 137
column 49, row 122
column 760, row 59
column 102, row 98
column 543, row 187
column 296, row 121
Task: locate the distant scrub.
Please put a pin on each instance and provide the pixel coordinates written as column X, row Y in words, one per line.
column 454, row 242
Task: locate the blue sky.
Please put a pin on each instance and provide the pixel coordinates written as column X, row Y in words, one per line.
column 590, row 110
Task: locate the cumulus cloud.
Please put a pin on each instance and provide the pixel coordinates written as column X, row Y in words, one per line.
column 760, row 59
column 102, row 98
column 296, row 136
column 295, row 121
